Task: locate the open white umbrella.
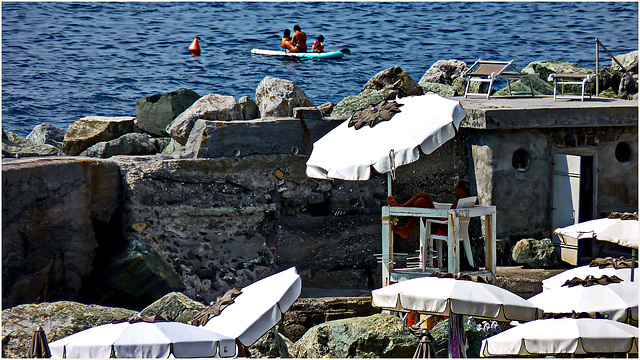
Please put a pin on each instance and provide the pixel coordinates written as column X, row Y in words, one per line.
column 582, row 272
column 619, row 301
column 144, row 340
column 447, row 296
column 563, row 336
column 424, row 123
column 618, row 231
column 258, row 308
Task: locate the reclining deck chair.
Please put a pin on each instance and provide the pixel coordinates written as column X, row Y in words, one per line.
column 569, row 79
column 489, row 71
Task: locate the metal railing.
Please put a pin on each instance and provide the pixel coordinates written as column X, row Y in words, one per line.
column 598, row 45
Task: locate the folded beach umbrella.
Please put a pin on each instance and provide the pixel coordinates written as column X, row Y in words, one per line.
column 424, row 123
column 144, row 340
column 563, row 336
column 258, row 308
column 616, row 230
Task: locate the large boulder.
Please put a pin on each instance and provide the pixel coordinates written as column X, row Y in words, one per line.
column 127, row 144
column 271, row 345
column 376, row 336
column 155, row 112
column 15, row 146
column 393, row 82
column 55, row 213
column 440, row 342
column 444, row 72
column 58, row 320
column 91, row 130
column 208, row 107
column 546, row 67
column 47, row 134
column 177, row 306
column 249, row 108
column 306, row 313
column 278, row 97
column 628, row 60
column 440, row 89
column 536, row 254
column 349, row 105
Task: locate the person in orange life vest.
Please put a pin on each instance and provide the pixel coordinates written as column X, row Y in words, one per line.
column 299, row 40
column 318, row 45
column 423, row 200
column 285, row 44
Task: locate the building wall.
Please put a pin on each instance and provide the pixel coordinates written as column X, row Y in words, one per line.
column 523, row 199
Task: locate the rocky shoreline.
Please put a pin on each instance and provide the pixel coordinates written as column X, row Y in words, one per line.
column 184, row 202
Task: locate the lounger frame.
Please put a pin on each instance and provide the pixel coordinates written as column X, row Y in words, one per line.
column 489, row 71
column 569, row 79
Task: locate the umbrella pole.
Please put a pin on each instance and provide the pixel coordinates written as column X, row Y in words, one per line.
column 634, row 254
column 389, row 183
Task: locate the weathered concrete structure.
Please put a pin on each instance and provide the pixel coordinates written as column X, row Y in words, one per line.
column 222, row 220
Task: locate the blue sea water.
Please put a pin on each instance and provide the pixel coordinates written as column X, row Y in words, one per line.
column 62, row 61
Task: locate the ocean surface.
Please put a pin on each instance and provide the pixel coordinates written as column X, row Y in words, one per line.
column 62, row 61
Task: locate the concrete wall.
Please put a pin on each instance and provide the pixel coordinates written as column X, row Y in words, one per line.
column 524, row 198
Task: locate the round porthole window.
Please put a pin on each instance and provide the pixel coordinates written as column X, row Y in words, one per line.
column 521, row 160
column 623, row 152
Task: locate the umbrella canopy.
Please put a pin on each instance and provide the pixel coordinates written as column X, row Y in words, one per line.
column 39, row 347
column 425, row 122
column 618, row 231
column 258, row 308
column 582, row 272
column 619, row 301
column 563, row 336
column 446, row 296
column 143, row 340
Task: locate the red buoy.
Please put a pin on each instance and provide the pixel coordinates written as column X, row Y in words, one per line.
column 194, row 48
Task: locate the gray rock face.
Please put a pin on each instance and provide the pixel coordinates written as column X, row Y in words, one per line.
column 393, row 81
column 534, row 253
column 208, row 107
column 628, row 60
column 54, row 215
column 278, row 97
column 444, row 72
column 249, row 108
column 91, row 130
column 177, row 306
column 128, row 144
column 58, row 319
column 155, row 112
column 15, row 146
column 381, row 335
column 47, row 134
column 347, row 106
column 440, row 89
column 133, row 278
column 309, row 312
column 270, row 345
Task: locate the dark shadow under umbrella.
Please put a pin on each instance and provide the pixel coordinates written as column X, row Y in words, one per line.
column 39, row 347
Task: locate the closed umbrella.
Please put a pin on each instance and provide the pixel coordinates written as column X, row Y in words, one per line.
column 618, row 301
column 563, row 336
column 144, row 340
column 39, row 347
column 258, row 308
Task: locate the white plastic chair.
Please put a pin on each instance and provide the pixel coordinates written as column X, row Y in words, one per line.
column 464, row 231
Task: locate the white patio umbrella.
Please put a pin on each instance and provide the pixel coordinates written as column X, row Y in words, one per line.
column 563, row 336
column 424, row 123
column 447, row 296
column 621, row 232
column 582, row 272
column 258, row 308
column 619, row 301
column 143, row 340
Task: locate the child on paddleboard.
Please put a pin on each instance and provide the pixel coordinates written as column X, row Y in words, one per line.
column 318, row 45
column 286, row 40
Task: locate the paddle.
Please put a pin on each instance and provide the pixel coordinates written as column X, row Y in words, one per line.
column 345, row 51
